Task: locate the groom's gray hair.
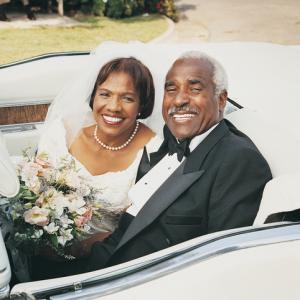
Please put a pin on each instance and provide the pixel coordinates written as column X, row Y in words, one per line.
column 219, row 74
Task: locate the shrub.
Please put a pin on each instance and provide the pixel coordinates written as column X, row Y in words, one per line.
column 169, row 9
column 165, row 7
column 114, row 8
column 98, row 7
column 124, row 8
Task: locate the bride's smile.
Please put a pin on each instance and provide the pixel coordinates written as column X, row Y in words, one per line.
column 112, row 120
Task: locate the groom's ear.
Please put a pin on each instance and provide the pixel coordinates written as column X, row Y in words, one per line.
column 222, row 99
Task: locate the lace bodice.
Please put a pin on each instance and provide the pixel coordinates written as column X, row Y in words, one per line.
column 114, row 185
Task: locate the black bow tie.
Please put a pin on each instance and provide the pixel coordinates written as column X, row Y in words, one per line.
column 182, row 148
column 169, row 146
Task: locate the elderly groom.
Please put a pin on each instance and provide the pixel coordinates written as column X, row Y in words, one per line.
column 207, row 175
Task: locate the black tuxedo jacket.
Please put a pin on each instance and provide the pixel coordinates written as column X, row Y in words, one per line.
column 219, row 186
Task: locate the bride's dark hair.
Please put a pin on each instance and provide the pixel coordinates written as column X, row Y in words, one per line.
column 142, row 80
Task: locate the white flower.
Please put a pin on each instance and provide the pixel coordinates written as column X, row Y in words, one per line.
column 65, row 221
column 37, row 234
column 65, row 236
column 84, row 190
column 86, row 228
column 48, row 174
column 57, row 203
column 75, row 203
column 33, row 184
column 30, row 170
column 54, row 200
column 51, row 228
column 37, row 216
column 72, row 179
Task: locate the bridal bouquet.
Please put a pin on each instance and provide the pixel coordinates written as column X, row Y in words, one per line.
column 53, row 206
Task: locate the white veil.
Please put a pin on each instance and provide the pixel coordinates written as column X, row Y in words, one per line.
column 71, row 105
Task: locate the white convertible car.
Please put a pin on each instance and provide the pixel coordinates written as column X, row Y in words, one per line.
column 257, row 262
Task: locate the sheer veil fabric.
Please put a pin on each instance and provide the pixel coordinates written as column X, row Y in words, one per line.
column 71, row 105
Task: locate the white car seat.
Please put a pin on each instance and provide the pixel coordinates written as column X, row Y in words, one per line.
column 280, row 195
column 280, row 149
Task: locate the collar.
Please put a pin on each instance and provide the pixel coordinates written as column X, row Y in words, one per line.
column 199, row 138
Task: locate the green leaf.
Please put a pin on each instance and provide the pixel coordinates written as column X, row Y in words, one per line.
column 30, row 198
column 28, row 205
column 53, row 239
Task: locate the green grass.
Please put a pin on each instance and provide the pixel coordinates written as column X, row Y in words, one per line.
column 16, row 44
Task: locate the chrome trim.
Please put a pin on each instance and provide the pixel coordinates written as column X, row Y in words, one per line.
column 44, row 56
column 4, row 104
column 11, row 128
column 127, row 277
column 4, row 292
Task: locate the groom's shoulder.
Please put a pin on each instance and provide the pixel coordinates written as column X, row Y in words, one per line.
column 235, row 145
column 237, row 139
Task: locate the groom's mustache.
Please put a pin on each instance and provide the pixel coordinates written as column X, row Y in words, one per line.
column 184, row 108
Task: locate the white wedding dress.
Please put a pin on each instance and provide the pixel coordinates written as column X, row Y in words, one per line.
column 114, row 186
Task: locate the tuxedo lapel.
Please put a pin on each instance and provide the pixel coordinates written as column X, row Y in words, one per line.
column 144, row 166
column 183, row 177
column 199, row 154
column 168, row 192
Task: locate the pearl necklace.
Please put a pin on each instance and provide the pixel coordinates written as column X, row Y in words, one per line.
column 119, row 147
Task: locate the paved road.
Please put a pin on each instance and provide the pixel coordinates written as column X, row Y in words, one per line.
column 275, row 21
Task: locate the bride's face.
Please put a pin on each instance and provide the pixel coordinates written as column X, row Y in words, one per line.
column 116, row 106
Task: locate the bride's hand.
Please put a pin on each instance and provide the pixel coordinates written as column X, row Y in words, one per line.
column 83, row 248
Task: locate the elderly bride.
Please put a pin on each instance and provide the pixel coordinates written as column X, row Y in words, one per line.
column 96, row 121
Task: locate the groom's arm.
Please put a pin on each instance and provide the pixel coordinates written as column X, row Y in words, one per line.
column 101, row 252
column 237, row 191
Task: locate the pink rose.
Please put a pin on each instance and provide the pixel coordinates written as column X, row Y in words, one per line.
column 80, row 220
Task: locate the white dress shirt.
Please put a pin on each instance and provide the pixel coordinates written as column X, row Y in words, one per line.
column 141, row 192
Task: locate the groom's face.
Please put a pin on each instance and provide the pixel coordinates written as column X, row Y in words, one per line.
column 190, row 106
